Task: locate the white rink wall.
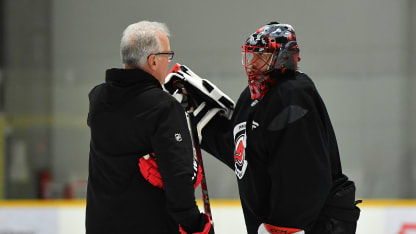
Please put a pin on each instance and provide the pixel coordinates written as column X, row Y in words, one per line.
column 67, row 217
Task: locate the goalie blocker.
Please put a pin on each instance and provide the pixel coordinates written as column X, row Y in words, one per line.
column 199, row 96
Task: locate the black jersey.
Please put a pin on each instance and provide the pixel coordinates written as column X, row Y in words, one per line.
column 131, row 116
column 284, row 153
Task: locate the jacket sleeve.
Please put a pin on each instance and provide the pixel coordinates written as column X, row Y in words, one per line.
column 172, row 145
column 299, row 168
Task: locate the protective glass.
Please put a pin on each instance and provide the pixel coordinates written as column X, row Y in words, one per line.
column 254, row 59
column 250, row 58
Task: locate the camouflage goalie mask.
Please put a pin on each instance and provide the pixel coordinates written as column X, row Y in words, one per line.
column 272, row 48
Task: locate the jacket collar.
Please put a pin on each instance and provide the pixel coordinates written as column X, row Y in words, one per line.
column 126, row 77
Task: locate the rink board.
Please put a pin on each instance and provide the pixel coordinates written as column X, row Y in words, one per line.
column 67, row 217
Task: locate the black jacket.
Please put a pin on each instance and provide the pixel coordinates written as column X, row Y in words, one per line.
column 130, row 116
column 285, row 155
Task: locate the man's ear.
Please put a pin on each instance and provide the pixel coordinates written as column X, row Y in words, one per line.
column 152, row 62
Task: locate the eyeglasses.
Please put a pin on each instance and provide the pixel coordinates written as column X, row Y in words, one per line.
column 170, row 54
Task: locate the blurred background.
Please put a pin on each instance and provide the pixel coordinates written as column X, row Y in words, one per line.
column 360, row 54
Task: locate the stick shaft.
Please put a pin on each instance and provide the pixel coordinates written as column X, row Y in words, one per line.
column 198, row 154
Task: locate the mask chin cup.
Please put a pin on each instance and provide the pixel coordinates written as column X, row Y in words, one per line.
column 258, row 84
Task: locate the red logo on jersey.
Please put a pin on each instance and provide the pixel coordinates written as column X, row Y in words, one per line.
column 240, row 162
column 239, row 151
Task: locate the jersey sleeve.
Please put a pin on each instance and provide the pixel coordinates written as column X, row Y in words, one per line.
column 299, row 168
column 217, row 140
column 172, row 145
column 217, row 136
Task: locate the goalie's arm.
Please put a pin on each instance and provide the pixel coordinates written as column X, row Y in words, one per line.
column 218, row 140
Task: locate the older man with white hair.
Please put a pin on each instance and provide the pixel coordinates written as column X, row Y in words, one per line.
column 131, row 116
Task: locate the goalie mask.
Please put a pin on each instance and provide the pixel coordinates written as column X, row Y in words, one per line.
column 271, row 49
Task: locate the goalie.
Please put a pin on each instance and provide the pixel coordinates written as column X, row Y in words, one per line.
column 279, row 140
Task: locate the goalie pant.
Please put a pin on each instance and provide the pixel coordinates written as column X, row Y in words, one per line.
column 130, row 116
column 284, row 153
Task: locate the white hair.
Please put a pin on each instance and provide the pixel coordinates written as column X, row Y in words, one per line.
column 140, row 40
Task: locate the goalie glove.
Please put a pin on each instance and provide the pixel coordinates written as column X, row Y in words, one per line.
column 206, row 230
column 199, row 96
column 265, row 228
column 199, row 90
column 150, row 171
